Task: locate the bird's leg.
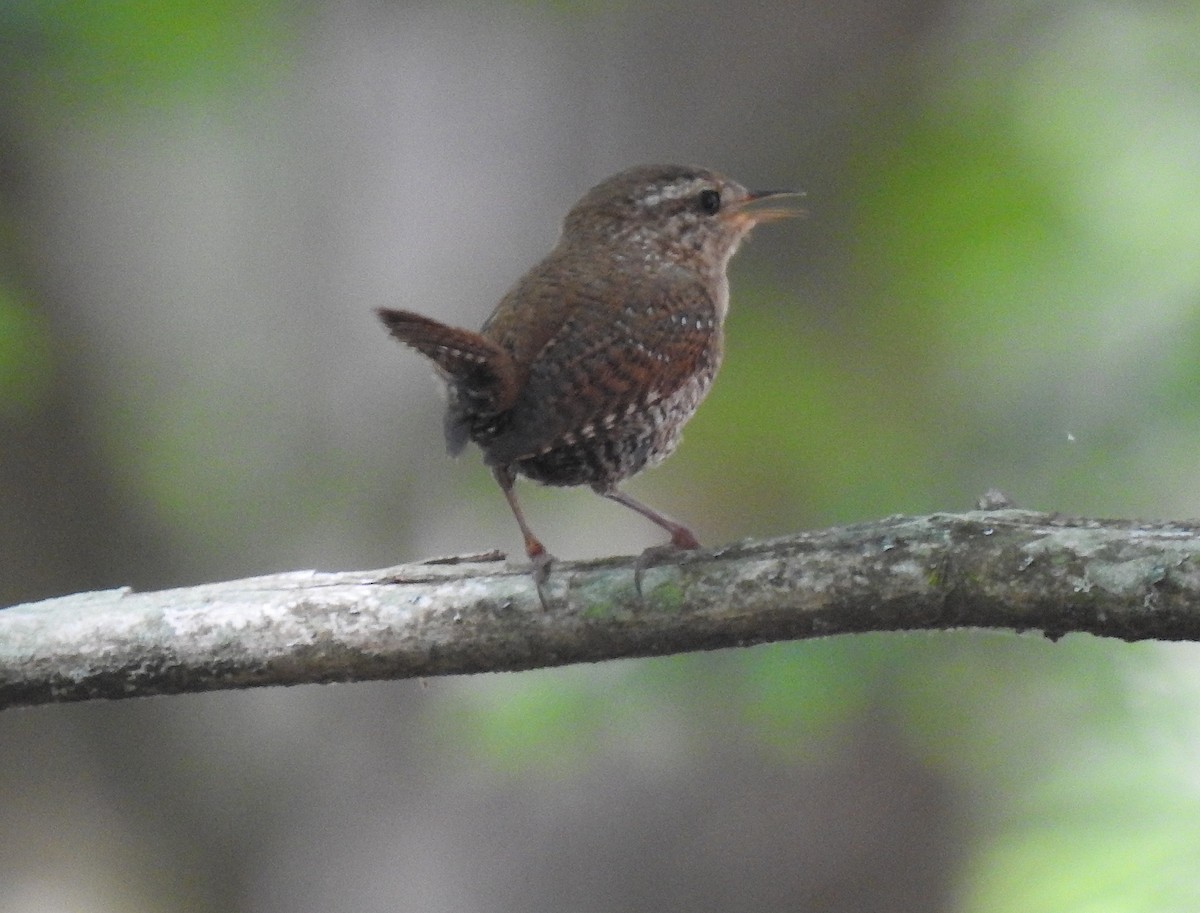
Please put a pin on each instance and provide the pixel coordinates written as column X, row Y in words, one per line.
column 682, row 538
column 538, row 556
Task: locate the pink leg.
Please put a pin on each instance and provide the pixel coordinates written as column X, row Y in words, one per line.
column 681, row 536
column 540, row 558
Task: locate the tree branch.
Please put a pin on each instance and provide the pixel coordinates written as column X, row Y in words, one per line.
column 988, row 569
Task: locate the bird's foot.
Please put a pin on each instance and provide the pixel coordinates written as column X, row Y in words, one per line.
column 541, row 561
column 682, row 540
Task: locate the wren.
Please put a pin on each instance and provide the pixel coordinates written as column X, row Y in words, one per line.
column 588, row 369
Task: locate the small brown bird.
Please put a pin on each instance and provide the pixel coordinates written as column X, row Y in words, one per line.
column 589, row 367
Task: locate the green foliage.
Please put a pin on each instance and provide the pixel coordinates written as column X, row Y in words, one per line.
column 1026, row 255
column 549, row 722
column 25, row 364
column 1085, row 791
column 796, row 433
column 133, row 53
column 1115, row 831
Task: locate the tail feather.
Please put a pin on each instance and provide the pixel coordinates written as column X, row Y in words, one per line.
column 482, row 372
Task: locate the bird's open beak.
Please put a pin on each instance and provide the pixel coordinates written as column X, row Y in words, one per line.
column 766, row 206
column 769, row 205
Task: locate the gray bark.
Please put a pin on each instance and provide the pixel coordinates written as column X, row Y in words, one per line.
column 1007, row 569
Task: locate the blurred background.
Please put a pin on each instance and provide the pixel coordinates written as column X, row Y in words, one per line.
column 997, row 285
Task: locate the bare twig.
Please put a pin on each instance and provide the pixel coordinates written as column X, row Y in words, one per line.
column 989, row 569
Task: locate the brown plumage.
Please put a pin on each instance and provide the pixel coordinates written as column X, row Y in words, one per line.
column 589, row 367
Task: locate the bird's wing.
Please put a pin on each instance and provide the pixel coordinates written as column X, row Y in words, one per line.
column 609, row 359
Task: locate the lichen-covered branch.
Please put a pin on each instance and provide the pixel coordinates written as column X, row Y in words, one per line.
column 988, row 569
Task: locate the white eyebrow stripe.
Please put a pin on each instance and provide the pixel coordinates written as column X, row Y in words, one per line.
column 674, row 191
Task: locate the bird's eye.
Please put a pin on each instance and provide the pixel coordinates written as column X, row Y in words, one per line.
column 710, row 201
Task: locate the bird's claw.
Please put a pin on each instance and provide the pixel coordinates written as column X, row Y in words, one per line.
column 645, row 559
column 541, row 575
